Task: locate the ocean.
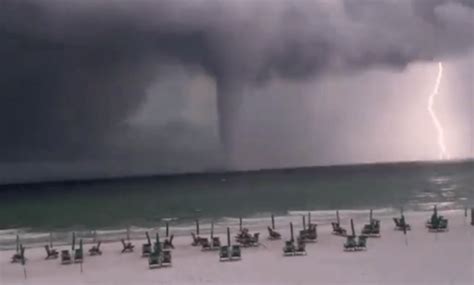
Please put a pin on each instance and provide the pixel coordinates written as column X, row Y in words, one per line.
column 109, row 206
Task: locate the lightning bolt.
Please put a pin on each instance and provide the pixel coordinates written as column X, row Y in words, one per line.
column 443, row 153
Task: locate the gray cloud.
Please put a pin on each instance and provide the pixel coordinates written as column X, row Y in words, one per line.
column 74, row 71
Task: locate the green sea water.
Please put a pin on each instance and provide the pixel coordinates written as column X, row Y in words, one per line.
column 146, row 201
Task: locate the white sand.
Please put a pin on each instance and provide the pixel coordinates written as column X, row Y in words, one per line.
column 429, row 258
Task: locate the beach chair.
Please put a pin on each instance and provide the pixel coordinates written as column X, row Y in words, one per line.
column 401, row 225
column 443, row 224
column 243, row 236
column 79, row 254
column 127, row 246
column 51, row 253
column 236, row 253
column 166, row 258
column 224, row 253
column 17, row 257
column 197, row 241
column 168, row 243
column 273, row 235
column 338, row 230
column 254, row 241
column 372, row 229
column 154, row 259
column 300, row 247
column 437, row 224
column 361, row 243
column 95, row 250
column 310, row 234
column 65, row 257
column 146, row 247
column 216, row 242
column 289, row 248
column 350, row 244
column 206, row 245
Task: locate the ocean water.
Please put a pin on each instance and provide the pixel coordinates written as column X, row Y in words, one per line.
column 107, row 207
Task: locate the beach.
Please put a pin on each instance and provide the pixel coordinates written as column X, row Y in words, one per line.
column 419, row 258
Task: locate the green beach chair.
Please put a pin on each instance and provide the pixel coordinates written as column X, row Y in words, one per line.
column 350, row 244
column 154, row 259
column 224, row 253
column 79, row 253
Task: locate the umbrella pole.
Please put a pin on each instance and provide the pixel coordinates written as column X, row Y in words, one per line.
column 291, row 230
column 352, row 228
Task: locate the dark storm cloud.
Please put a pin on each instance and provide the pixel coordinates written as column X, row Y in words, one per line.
column 73, row 71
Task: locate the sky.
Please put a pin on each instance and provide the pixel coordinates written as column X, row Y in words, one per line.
column 99, row 88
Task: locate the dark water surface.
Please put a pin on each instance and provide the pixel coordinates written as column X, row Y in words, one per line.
column 145, row 201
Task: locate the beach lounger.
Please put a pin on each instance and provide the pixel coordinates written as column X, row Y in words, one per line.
column 168, row 243
column 236, row 253
column 338, row 230
column 361, row 243
column 300, row 247
column 437, row 223
column 154, row 259
column 350, row 244
column 254, row 241
column 78, row 256
column 127, row 246
column 289, row 248
column 50, row 252
column 250, row 240
column 401, row 225
column 310, row 234
column 216, row 243
column 65, row 257
column 206, row 245
column 95, row 250
column 166, row 258
column 146, row 247
column 197, row 241
column 372, row 229
column 17, row 257
column 79, row 253
column 243, row 236
column 224, row 253
column 273, row 235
